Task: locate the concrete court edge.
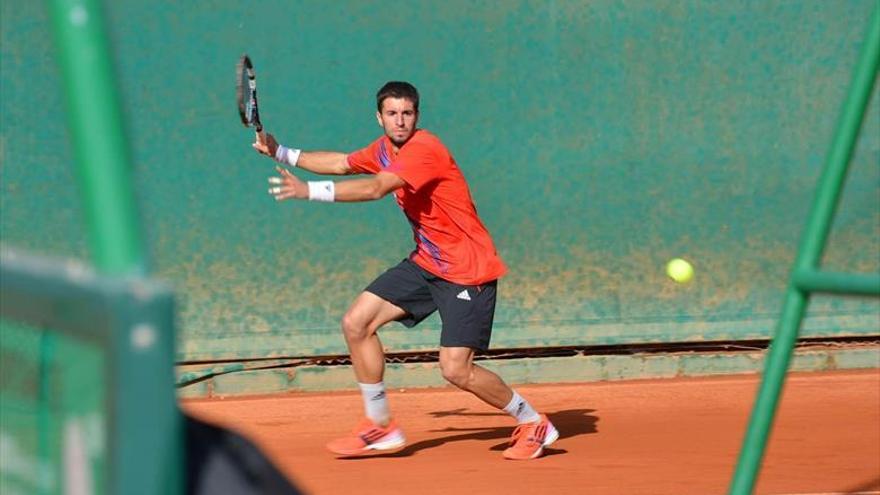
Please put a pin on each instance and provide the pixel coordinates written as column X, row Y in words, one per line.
column 569, row 369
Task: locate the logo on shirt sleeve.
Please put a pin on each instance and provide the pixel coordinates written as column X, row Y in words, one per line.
column 384, row 160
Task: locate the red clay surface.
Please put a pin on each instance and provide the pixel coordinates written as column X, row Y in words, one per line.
column 656, row 437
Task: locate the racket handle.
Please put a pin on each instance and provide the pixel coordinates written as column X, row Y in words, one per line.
column 259, row 127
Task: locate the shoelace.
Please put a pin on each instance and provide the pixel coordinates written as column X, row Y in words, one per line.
column 535, row 432
column 523, row 430
column 518, row 432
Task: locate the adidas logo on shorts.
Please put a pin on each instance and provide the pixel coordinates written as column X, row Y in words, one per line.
column 464, row 296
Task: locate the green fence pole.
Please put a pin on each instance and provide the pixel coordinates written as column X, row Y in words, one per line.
column 45, row 407
column 98, row 139
column 808, row 259
column 837, row 283
column 147, row 438
column 144, row 424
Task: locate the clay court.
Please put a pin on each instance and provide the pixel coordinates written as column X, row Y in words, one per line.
column 678, row 196
column 673, row 436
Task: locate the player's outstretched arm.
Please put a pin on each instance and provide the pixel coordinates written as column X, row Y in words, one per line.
column 319, row 162
column 324, row 162
column 289, row 186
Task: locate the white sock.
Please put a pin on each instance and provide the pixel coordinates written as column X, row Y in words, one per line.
column 375, row 402
column 521, row 410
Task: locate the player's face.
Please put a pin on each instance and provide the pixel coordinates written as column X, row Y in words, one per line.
column 398, row 117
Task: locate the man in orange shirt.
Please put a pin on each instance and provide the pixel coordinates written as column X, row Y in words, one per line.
column 454, row 268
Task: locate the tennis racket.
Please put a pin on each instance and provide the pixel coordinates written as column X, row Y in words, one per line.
column 246, row 91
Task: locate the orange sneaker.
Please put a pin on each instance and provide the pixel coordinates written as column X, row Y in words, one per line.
column 367, row 438
column 529, row 439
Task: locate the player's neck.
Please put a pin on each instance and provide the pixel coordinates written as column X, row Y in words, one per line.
column 395, row 146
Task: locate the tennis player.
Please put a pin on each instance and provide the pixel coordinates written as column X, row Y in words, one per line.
column 454, row 268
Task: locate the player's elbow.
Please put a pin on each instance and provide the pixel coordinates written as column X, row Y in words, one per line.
column 376, row 192
column 373, row 190
column 341, row 167
column 380, row 188
column 384, row 183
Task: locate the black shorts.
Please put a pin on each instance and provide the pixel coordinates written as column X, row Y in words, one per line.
column 465, row 310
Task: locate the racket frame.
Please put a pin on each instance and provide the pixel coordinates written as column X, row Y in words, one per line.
column 246, row 93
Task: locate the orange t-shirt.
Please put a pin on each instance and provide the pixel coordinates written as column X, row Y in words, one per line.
column 451, row 241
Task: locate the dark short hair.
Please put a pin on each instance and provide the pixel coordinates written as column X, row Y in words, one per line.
column 397, row 89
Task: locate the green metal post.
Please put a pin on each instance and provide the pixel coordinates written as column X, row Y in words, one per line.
column 97, row 136
column 808, row 259
column 839, row 283
column 145, row 436
column 147, row 430
column 44, row 406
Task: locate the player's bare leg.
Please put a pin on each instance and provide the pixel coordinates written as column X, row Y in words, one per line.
column 359, row 325
column 458, row 368
column 534, row 431
column 366, row 315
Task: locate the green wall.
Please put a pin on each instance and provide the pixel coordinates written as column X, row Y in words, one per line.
column 600, row 138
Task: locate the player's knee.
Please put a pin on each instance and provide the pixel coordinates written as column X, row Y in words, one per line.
column 354, row 328
column 457, row 373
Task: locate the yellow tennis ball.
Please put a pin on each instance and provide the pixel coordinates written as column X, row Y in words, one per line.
column 679, row 270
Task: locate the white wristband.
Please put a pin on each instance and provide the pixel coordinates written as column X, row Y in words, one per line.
column 287, row 155
column 322, row 190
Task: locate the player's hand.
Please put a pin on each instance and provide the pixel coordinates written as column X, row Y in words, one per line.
column 266, row 144
column 287, row 186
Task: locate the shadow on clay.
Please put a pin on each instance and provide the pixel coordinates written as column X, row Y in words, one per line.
column 569, row 423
